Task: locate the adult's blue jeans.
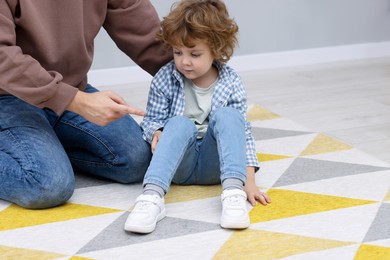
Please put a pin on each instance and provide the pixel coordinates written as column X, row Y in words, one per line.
column 181, row 158
column 39, row 150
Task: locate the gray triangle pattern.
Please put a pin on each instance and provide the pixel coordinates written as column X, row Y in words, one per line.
column 83, row 180
column 260, row 133
column 167, row 228
column 380, row 227
column 307, row 170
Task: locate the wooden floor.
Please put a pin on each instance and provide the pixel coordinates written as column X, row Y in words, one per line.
column 349, row 101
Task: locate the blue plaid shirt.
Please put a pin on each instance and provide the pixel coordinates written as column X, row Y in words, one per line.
column 166, row 99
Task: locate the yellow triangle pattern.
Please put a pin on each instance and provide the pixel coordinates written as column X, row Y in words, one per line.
column 264, row 157
column 179, row 193
column 284, row 205
column 18, row 217
column 387, row 198
column 19, row 253
column 258, row 244
column 260, row 113
column 324, row 144
column 372, row 252
column 79, row 258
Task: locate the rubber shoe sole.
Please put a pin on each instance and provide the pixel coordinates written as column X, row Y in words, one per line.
column 145, row 229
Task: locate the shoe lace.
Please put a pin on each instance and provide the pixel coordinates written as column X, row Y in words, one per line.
column 233, row 201
column 143, row 205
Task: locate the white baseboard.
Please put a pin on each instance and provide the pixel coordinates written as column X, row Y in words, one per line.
column 124, row 75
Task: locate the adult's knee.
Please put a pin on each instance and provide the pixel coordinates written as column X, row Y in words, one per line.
column 133, row 167
column 54, row 190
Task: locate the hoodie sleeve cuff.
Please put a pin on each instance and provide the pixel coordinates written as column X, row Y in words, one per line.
column 63, row 97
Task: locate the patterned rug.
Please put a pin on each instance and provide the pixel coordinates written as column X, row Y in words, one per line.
column 329, row 201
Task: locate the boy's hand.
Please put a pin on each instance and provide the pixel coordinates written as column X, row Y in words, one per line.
column 156, row 138
column 253, row 193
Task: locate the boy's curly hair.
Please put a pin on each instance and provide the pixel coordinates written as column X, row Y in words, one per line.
column 207, row 20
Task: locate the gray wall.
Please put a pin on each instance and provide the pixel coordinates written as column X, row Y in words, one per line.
column 283, row 25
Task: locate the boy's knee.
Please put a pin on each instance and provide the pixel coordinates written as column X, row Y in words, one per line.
column 181, row 120
column 224, row 112
column 227, row 115
column 180, row 124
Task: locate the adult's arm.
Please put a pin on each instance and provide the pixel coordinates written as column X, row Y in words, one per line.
column 101, row 108
column 133, row 24
column 23, row 76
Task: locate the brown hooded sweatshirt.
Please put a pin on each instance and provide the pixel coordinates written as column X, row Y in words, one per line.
column 46, row 46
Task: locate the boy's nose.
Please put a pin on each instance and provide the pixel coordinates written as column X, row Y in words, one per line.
column 186, row 61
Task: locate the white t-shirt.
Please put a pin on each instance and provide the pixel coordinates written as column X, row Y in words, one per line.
column 198, row 104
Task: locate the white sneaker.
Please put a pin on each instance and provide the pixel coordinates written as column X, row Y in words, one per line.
column 148, row 210
column 234, row 211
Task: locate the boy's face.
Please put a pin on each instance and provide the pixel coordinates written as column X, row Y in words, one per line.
column 195, row 62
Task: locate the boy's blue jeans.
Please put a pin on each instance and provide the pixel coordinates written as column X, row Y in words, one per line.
column 182, row 159
column 38, row 150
